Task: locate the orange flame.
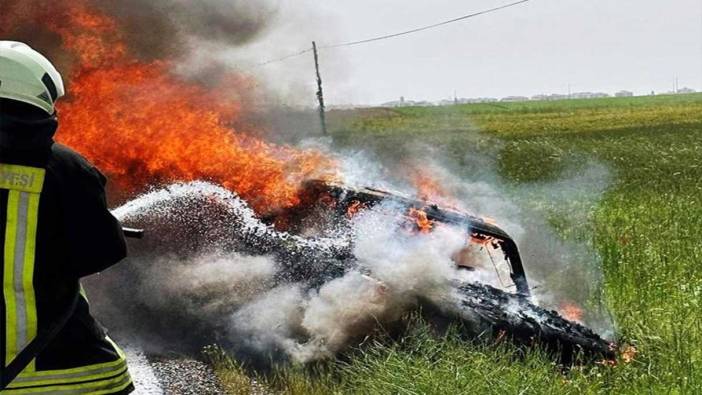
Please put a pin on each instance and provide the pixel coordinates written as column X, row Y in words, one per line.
column 427, row 187
column 143, row 125
column 354, row 208
column 629, row 353
column 91, row 37
column 484, row 241
column 151, row 128
column 424, row 224
column 571, row 311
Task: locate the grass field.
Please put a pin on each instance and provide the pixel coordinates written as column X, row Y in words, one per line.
column 646, row 228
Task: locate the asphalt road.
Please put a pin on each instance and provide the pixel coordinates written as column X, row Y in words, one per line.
column 166, row 376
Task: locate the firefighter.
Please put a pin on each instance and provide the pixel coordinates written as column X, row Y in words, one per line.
column 55, row 229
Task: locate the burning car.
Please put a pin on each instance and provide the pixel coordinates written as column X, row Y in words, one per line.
column 504, row 307
column 302, row 238
column 344, row 201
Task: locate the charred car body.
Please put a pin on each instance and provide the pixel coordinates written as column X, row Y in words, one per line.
column 506, row 311
column 503, row 310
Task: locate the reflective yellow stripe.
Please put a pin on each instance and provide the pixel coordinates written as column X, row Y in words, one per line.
column 22, row 338
column 20, row 245
column 81, row 369
column 25, row 185
column 106, row 386
column 93, row 372
column 8, row 277
column 28, row 272
column 81, row 373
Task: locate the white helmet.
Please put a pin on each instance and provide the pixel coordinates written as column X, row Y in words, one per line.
column 29, row 77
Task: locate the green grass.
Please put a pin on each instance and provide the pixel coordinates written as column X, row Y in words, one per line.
column 646, row 228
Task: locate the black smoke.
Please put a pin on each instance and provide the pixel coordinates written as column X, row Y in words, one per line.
column 170, row 28
column 152, row 29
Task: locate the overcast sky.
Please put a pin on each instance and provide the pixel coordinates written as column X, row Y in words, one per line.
column 542, row 46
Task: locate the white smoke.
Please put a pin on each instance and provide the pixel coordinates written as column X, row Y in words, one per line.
column 259, row 308
column 559, row 269
column 270, row 321
column 393, row 269
column 212, row 283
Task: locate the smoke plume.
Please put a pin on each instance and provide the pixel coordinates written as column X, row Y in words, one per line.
column 195, row 272
column 155, row 30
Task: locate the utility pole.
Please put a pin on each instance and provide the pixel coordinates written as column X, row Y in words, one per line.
column 320, row 93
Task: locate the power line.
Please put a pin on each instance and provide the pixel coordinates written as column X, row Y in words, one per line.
column 387, row 36
column 419, row 29
column 293, row 55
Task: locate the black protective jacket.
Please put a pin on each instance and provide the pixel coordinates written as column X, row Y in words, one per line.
column 75, row 236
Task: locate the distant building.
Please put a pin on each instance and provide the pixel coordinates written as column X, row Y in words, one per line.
column 551, row 97
column 406, row 103
column 681, row 91
column 514, row 98
column 540, row 97
column 588, row 95
column 469, row 100
column 686, row 90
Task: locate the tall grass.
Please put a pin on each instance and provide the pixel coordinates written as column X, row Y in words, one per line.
column 647, row 229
